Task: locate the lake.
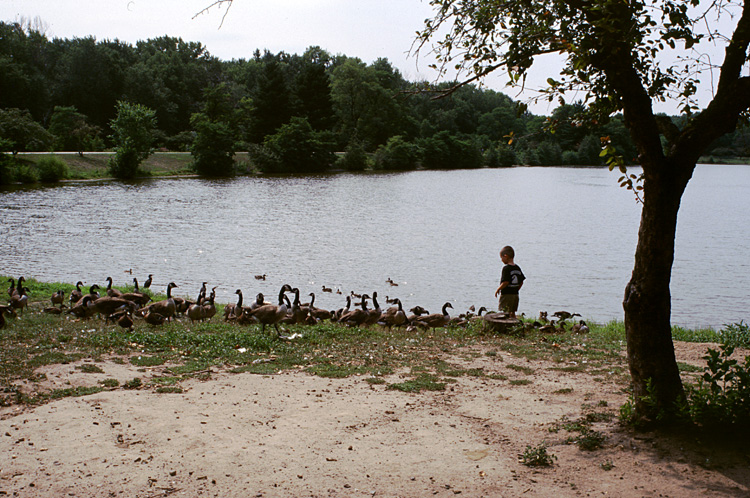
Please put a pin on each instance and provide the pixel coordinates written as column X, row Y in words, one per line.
column 436, row 234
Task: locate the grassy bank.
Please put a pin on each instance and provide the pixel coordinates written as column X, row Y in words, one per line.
column 36, row 339
column 93, row 165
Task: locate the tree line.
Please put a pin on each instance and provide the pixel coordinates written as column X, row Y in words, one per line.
column 290, row 112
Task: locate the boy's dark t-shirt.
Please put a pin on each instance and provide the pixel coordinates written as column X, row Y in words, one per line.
column 513, row 275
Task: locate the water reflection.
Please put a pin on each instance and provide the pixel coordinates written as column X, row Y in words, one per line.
column 435, row 233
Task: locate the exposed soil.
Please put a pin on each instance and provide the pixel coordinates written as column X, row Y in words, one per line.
column 292, row 434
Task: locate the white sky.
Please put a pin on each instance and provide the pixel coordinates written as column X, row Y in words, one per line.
column 367, row 29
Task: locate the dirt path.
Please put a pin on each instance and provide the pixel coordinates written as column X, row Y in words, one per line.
column 292, row 435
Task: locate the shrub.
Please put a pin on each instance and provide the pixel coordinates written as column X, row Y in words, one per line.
column 397, row 154
column 537, row 456
column 25, row 173
column 736, row 335
column 354, row 159
column 52, row 169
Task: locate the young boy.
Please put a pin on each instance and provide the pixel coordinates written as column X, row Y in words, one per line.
column 511, row 281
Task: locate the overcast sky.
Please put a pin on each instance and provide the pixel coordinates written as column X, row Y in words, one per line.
column 367, row 29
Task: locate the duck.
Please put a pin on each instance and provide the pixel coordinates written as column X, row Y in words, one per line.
column 77, row 293
column 110, row 291
column 436, row 320
column 391, row 282
column 272, row 314
column 260, row 277
column 393, row 317
column 232, row 311
column 148, row 281
column 327, row 289
column 167, row 308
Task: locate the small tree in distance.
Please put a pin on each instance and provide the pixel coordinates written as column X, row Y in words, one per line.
column 132, row 133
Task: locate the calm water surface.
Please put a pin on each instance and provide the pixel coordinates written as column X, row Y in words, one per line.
column 436, row 233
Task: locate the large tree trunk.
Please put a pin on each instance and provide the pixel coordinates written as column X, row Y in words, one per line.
column 647, row 300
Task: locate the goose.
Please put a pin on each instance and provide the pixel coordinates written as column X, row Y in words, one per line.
column 138, row 298
column 148, row 281
column 20, row 300
column 6, row 310
column 125, row 321
column 393, row 317
column 166, row 308
column 318, row 314
column 341, row 311
column 84, row 308
column 77, row 294
column 232, row 311
column 201, row 294
column 580, row 328
column 357, row 316
column 271, row 314
column 478, row 316
column 260, row 300
column 436, row 320
column 58, row 298
column 92, row 292
column 19, row 285
column 375, row 312
column 209, row 310
column 12, row 288
column 110, row 291
column 106, row 305
column 297, row 313
column 154, row 318
column 202, row 311
column 416, row 312
column 564, row 315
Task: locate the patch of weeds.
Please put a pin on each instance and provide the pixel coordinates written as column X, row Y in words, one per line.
column 570, row 368
column 89, row 368
column 589, row 439
column 497, row 377
column 537, row 456
column 136, row 383
column 565, row 390
column 736, row 335
column 607, row 465
column 423, row 382
column 519, row 382
column 169, row 390
column 599, row 417
column 375, row 380
column 521, row 368
column 117, row 360
column 334, row 371
column 685, row 367
column 266, row 368
column 493, row 354
column 147, row 361
column 74, row 392
column 110, row 383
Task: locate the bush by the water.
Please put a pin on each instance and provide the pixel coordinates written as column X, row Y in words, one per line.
column 52, row 169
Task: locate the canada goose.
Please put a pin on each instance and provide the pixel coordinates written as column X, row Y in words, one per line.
column 298, row 312
column 375, row 312
column 84, row 308
column 125, row 321
column 148, row 281
column 93, row 292
column 393, row 317
column 580, row 328
column 154, row 318
column 357, row 316
column 416, row 312
column 232, row 311
column 318, row 314
column 260, row 277
column 53, row 310
column 12, row 288
column 106, row 305
column 58, row 298
column 166, row 308
column 437, row 320
column 260, row 300
column 478, row 316
column 19, row 285
column 208, row 309
column 342, row 311
column 138, row 298
column 388, row 300
column 110, row 291
column 20, row 300
column 271, row 314
column 564, row 315
column 77, row 294
column 6, row 310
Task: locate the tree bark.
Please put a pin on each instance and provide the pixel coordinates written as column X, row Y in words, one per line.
column 657, row 388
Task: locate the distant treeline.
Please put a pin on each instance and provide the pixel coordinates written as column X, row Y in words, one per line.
column 269, row 104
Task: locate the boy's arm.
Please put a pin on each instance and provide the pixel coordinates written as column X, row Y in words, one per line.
column 503, row 285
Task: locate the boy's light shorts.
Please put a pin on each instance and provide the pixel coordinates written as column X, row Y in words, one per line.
column 509, row 303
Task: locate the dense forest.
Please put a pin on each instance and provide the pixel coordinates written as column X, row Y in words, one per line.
column 290, row 112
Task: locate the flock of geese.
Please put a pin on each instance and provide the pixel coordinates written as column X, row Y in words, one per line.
column 123, row 308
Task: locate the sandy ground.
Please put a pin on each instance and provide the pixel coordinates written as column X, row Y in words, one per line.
column 293, row 434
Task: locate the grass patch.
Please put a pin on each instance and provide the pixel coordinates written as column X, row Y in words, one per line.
column 536, row 456
column 169, row 390
column 110, row 383
column 147, row 361
column 89, row 368
column 685, row 367
column 519, row 382
column 423, row 382
column 520, row 368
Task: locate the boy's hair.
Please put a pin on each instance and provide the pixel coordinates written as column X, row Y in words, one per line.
column 509, row 251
